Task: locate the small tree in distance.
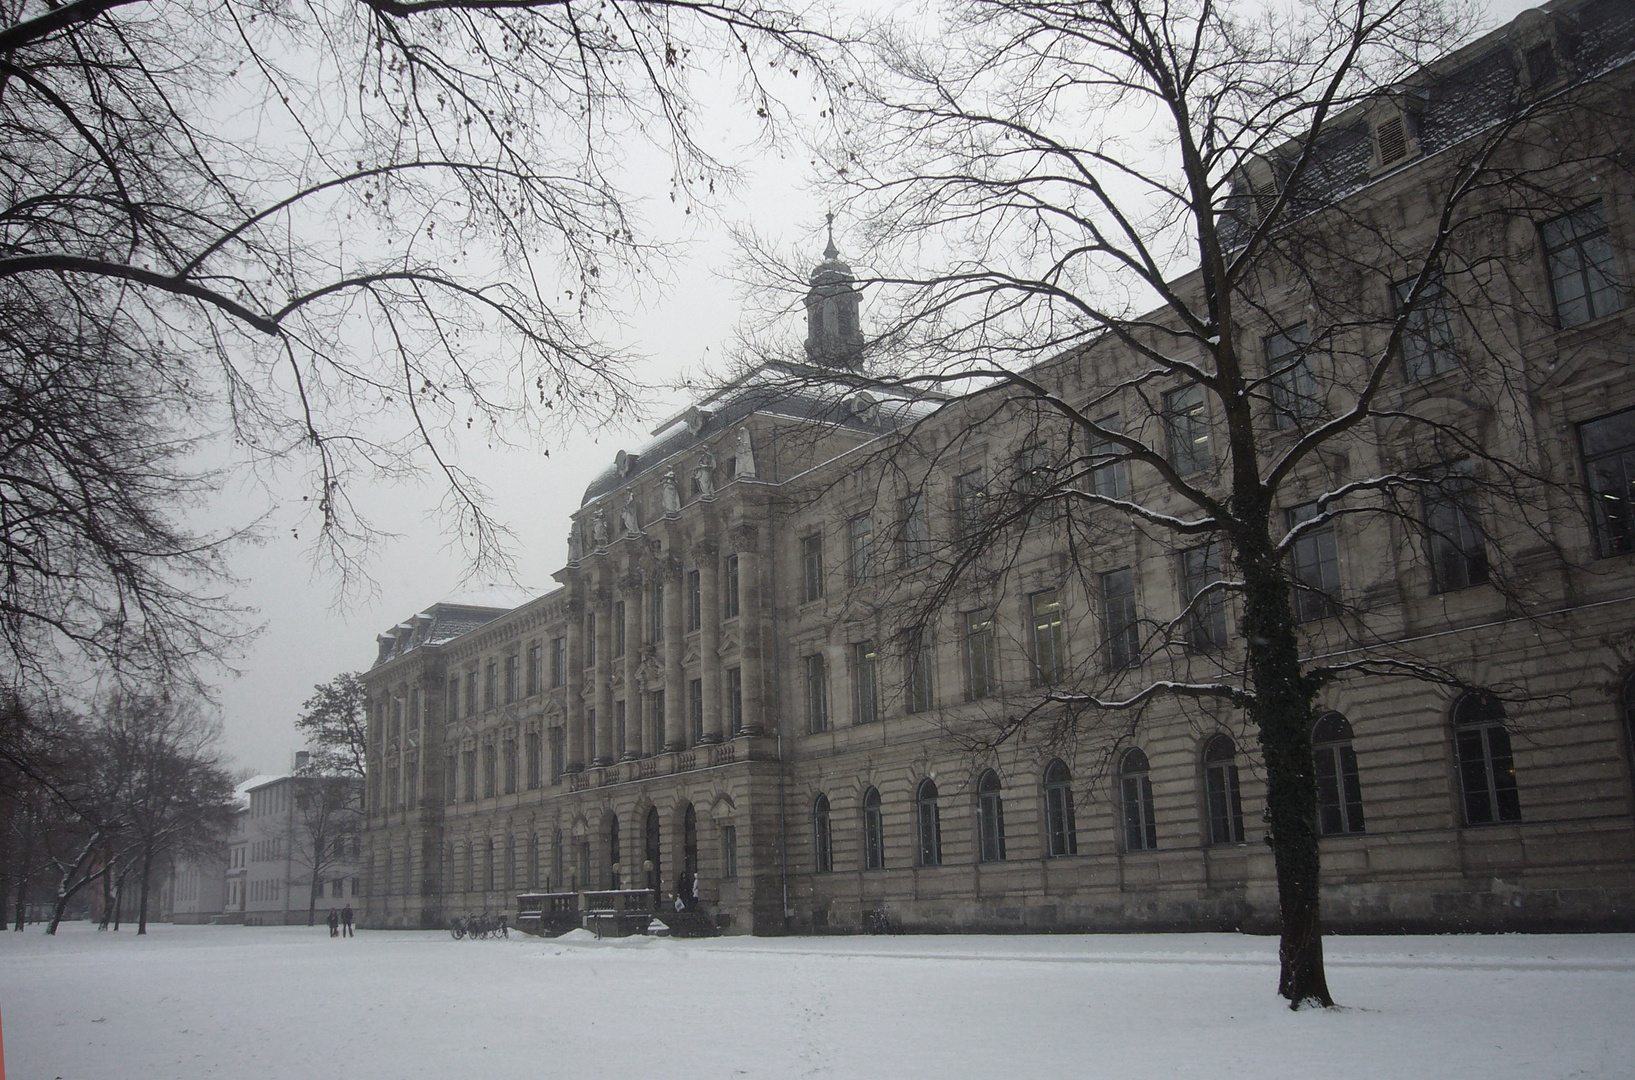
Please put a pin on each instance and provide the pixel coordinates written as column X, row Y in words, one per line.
column 329, row 788
column 1204, row 344
column 335, row 721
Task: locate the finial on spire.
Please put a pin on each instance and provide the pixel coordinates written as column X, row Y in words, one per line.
column 831, row 251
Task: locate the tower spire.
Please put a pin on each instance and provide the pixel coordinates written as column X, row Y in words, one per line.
column 831, row 252
column 834, row 336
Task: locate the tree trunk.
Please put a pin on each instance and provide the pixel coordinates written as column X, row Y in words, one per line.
column 107, row 892
column 1281, row 712
column 23, row 870
column 142, row 906
column 119, row 898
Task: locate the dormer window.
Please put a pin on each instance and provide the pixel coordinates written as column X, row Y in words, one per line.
column 1395, row 136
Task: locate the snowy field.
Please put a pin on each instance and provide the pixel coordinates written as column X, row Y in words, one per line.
column 274, row 1003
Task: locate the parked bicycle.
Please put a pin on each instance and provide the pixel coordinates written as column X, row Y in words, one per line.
column 480, row 926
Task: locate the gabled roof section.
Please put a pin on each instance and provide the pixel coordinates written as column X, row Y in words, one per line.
column 438, row 624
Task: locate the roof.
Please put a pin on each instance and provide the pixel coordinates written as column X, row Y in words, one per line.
column 793, row 391
column 447, row 620
column 1450, row 101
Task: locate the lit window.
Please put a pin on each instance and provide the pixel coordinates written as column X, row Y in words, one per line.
column 981, row 661
column 1609, row 467
column 865, row 690
column 1048, row 661
column 1186, row 422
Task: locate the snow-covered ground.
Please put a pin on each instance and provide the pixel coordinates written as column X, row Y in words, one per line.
column 271, row 1003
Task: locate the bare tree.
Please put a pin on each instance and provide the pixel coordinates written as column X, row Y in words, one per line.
column 1179, row 326
column 333, row 236
column 327, row 823
column 335, row 722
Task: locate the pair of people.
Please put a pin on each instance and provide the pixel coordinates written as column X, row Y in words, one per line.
column 341, row 925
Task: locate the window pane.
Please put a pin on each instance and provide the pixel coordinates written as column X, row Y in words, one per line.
column 1294, row 390
column 1609, row 465
column 1206, row 623
column 1109, row 477
column 1187, row 424
column 1119, row 618
column 1047, row 637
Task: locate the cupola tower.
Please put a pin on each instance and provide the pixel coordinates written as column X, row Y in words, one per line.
column 834, row 335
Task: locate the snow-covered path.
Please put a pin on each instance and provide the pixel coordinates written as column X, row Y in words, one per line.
column 274, row 1003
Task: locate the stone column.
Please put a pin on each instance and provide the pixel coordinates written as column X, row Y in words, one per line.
column 749, row 630
column 635, row 645
column 675, row 694
column 709, row 637
column 575, row 735
column 605, row 750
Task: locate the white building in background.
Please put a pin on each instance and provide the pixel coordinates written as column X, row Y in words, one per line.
column 295, row 828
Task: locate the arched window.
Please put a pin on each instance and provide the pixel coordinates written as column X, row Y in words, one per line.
column 612, row 852
column 1487, row 773
column 689, row 841
column 1339, row 792
column 990, row 818
column 1221, row 798
column 822, row 839
column 874, row 831
column 1629, row 720
column 1135, row 797
column 930, row 824
column 488, row 865
column 655, row 877
column 1061, row 836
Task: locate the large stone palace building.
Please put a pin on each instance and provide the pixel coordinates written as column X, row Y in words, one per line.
column 741, row 676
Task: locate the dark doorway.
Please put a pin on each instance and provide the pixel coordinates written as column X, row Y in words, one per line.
column 653, row 874
column 689, row 841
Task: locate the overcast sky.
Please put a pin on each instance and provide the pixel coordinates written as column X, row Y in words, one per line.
column 308, row 638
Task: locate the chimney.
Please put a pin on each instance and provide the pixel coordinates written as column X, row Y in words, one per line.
column 301, row 759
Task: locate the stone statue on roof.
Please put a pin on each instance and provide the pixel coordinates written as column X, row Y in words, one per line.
column 704, row 474
column 573, row 542
column 672, row 493
column 629, row 525
column 746, row 454
column 598, row 528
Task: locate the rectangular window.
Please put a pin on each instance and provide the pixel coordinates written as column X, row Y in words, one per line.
column 915, row 535
column 695, row 708
column 1314, row 564
column 468, row 764
column 1454, row 538
column 731, row 570
column 531, row 752
column 1048, row 639
column 735, row 699
column 491, row 771
column 590, row 734
column 657, row 634
column 559, row 754
column 536, row 669
column 513, row 668
column 695, row 601
column 729, row 851
column 968, row 503
column 918, row 658
column 817, row 693
column 981, row 659
column 471, row 693
column 1288, row 368
column 865, row 690
column 510, row 762
column 619, row 742
column 1109, row 476
column 1583, row 267
column 656, row 721
column 1427, row 333
column 1186, row 424
column 491, row 685
column 590, row 639
column 618, row 627
column 451, row 777
column 1608, row 445
column 859, row 548
column 1206, row 621
column 811, row 567
column 559, row 661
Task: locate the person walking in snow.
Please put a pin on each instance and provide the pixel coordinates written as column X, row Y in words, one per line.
column 334, row 924
column 346, row 921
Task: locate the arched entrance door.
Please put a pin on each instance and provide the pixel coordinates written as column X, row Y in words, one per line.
column 654, row 875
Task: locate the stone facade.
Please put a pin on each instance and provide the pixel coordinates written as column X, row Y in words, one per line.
column 725, row 683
